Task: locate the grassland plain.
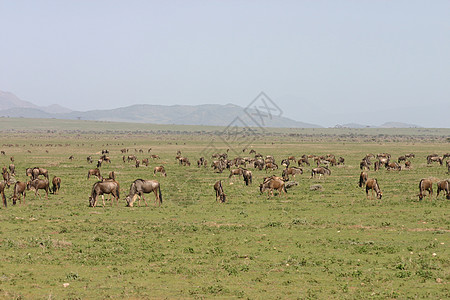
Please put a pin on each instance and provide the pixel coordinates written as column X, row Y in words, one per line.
column 333, row 243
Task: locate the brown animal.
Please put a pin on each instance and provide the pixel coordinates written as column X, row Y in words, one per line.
column 100, row 188
column 154, row 156
column 341, row 161
column 112, row 175
column 291, row 171
column 425, row 185
column 2, row 192
column 89, row 159
column 161, row 170
column 137, row 163
column 140, row 187
column 39, row 184
column 444, row 185
column 271, row 166
column 234, row 172
column 272, row 184
column 19, row 190
column 248, row 177
column 145, row 161
column 372, row 184
column 220, row 194
column 407, row 164
column 363, row 179
column 94, row 172
column 71, row 157
column 12, row 169
column 393, row 166
column 7, row 178
column 56, row 184
column 401, row 158
column 321, row 171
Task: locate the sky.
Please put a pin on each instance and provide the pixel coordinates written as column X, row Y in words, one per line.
column 323, row 62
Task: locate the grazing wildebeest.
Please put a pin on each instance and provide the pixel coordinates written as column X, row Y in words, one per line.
column 434, row 158
column 393, row 166
column 292, row 158
column 271, row 184
column 7, row 178
column 384, row 161
column 218, row 166
column 237, row 171
column 39, row 184
column 248, row 177
column 161, row 170
column 145, row 161
column 220, row 194
column 444, row 185
column 19, row 190
column 401, row 158
column 89, row 159
column 259, row 164
column 12, row 158
column 137, row 163
column 285, row 162
column 252, row 151
column 425, row 185
column 376, row 165
column 363, row 179
column 56, row 184
column 291, row 171
column 131, row 157
column 321, row 171
column 154, row 156
column 12, row 169
column 105, row 151
column 372, row 184
column 141, row 186
column 35, row 172
column 71, row 157
column 303, row 160
column 100, row 188
column 184, row 161
column 341, row 160
column 2, row 192
column 271, row 166
column 410, row 155
column 3, row 152
column 99, row 163
column 364, row 165
column 94, row 172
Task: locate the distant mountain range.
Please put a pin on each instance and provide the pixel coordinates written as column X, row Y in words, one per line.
column 208, row 114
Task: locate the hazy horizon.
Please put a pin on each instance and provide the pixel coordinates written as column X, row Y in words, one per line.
column 323, row 62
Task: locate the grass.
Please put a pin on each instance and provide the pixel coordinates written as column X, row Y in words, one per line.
column 333, row 243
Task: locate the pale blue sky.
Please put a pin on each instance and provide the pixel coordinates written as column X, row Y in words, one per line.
column 316, row 59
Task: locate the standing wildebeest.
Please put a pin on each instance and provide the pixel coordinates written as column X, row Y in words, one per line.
column 161, row 170
column 444, row 185
column 237, row 171
column 363, row 179
column 220, row 194
column 71, row 157
column 137, row 163
column 364, row 165
column 291, row 171
column 393, row 166
column 104, row 187
column 35, row 172
column 12, row 169
column 56, row 184
column 401, row 158
column 248, row 177
column 376, row 165
column 259, row 164
column 285, row 162
column 341, row 160
column 425, row 185
column 410, row 155
column 7, row 178
column 94, row 172
column 434, row 158
column 271, row 184
column 12, row 158
column 89, row 159
column 19, row 190
column 303, row 160
column 184, row 161
column 407, row 164
column 112, row 175
column 372, row 184
column 2, row 192
column 99, row 163
column 39, row 184
column 321, row 171
column 271, row 166
column 154, row 156
column 141, row 186
column 145, row 161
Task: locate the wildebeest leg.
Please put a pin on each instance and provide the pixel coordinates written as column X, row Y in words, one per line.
column 103, row 199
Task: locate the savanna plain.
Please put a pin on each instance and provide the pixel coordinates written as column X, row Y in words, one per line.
column 310, row 244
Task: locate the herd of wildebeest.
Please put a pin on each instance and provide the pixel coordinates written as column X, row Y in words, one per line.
column 238, row 166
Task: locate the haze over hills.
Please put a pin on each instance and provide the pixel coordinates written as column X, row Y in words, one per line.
column 207, row 114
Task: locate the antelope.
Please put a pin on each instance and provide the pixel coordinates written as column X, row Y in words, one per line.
column 393, row 166
column 237, row 171
column 321, row 171
column 145, row 161
column 372, row 184
column 220, row 194
column 363, row 179
column 291, row 171
column 425, row 185
column 444, row 185
column 247, row 176
column 38, row 184
column 101, row 188
column 161, row 170
column 56, row 184
column 271, row 184
column 19, row 190
column 140, row 187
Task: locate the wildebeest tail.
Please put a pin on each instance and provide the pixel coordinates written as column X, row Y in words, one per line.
column 160, row 195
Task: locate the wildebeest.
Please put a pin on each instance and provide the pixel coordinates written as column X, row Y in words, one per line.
column 234, row 172
column 137, row 163
column 184, row 161
column 271, row 184
column 425, row 185
column 434, row 158
column 248, row 177
column 145, row 161
column 271, row 166
column 12, row 169
column 94, row 172
column 363, row 178
column 303, row 160
column 141, row 186
column 35, row 172
column 154, row 156
column 2, row 192
column 321, row 171
column 376, row 165
column 401, row 158
column 161, row 170
column 291, row 171
column 364, row 165
column 259, row 164
column 220, row 194
column 39, row 184
column 443, row 185
column 285, row 162
column 410, row 155
column 89, row 159
column 341, row 161
column 372, row 184
column 12, row 158
column 7, row 178
column 393, row 166
column 100, row 188
column 112, row 175
column 407, row 164
column 71, row 157
column 56, row 184
column 19, row 190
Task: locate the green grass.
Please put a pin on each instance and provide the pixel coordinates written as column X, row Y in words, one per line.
column 333, row 243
